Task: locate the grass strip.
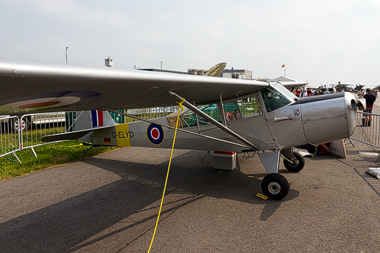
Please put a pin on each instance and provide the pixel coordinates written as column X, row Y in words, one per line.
column 47, row 156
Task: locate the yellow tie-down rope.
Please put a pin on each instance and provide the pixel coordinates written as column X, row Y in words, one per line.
column 180, row 108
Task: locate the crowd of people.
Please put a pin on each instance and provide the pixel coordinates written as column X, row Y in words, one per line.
column 361, row 93
column 369, row 95
column 299, row 92
column 306, row 92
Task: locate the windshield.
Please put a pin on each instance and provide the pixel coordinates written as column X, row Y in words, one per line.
column 274, row 99
column 284, row 90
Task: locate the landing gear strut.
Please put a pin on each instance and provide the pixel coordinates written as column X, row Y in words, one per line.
column 275, row 186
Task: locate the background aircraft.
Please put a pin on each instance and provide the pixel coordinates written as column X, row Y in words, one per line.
column 231, row 114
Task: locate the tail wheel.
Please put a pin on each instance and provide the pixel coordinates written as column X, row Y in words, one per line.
column 275, row 186
column 297, row 165
column 21, row 124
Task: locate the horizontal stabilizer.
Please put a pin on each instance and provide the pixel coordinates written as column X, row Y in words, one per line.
column 70, row 135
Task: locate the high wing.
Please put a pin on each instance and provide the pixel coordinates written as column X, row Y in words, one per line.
column 36, row 87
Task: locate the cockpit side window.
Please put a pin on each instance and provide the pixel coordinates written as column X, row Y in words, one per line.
column 232, row 112
column 189, row 118
column 236, row 110
column 273, row 99
column 250, row 106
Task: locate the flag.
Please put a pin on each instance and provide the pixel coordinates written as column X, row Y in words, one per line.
column 97, row 118
column 283, row 66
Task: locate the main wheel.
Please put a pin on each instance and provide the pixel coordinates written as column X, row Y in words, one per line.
column 295, row 166
column 275, row 186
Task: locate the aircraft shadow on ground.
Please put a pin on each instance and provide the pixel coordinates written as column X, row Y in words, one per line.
column 67, row 225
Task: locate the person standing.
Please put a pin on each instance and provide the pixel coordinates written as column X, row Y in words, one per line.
column 297, row 92
column 360, row 93
column 369, row 100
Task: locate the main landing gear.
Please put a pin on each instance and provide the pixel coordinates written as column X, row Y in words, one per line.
column 274, row 185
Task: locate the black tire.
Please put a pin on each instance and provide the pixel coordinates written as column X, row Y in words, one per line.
column 295, row 167
column 275, row 186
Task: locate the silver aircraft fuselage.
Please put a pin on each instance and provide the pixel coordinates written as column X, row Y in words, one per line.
column 309, row 120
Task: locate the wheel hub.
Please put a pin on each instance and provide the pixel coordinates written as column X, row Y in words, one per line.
column 20, row 124
column 294, row 163
column 274, row 188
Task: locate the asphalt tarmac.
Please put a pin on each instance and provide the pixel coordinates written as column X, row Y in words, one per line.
column 109, row 203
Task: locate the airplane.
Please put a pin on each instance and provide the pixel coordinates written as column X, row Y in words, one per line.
column 223, row 114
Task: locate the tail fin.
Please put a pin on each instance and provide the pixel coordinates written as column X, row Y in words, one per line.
column 91, row 119
column 216, row 70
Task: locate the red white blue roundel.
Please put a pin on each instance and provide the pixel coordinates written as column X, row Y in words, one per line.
column 45, row 101
column 155, row 134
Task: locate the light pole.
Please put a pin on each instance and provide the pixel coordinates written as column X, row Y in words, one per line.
column 161, row 64
column 67, row 48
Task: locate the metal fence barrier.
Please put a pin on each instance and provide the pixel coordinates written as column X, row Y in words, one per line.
column 367, row 129
column 10, row 139
column 35, row 126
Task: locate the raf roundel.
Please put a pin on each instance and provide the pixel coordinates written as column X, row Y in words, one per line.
column 155, row 134
column 47, row 101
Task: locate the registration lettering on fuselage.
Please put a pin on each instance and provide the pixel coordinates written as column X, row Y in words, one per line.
column 123, row 135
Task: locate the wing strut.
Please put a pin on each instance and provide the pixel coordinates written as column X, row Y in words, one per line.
column 211, row 120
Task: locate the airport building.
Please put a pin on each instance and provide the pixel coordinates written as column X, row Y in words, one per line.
column 237, row 74
column 199, row 72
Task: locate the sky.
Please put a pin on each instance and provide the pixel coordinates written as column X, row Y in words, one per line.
column 322, row 42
